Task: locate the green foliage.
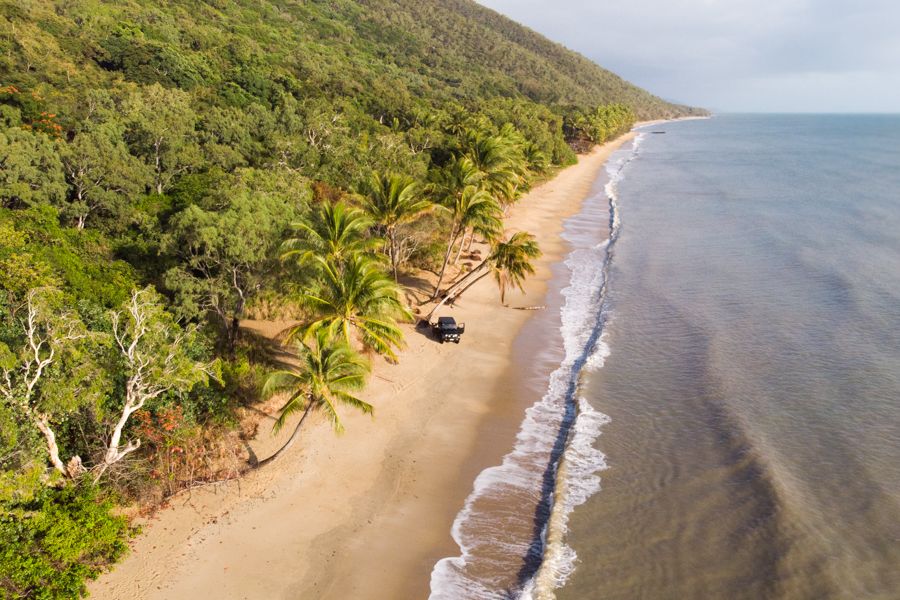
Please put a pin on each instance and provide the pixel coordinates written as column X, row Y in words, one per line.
column 161, row 124
column 51, row 543
column 151, row 61
column 329, row 370
column 102, row 174
column 36, row 251
column 356, row 296
column 30, row 170
column 225, row 245
column 600, row 125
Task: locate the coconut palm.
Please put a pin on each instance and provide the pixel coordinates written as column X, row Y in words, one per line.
column 356, row 296
column 470, row 207
column 499, row 160
column 327, row 374
column 509, row 261
column 392, row 200
column 333, row 232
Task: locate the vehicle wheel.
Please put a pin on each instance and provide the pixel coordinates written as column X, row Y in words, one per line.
column 456, row 341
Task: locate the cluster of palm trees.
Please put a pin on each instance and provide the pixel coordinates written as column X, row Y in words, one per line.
column 352, row 248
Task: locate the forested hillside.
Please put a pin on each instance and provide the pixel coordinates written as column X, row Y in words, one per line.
column 169, row 168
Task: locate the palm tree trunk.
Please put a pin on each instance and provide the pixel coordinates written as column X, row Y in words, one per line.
column 454, row 295
column 291, row 439
column 471, row 241
column 437, row 287
column 459, row 281
column 462, row 243
column 392, row 242
column 471, row 283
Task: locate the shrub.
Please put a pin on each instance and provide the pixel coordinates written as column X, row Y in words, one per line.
column 51, row 544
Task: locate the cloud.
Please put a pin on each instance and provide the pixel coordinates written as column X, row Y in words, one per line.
column 757, row 55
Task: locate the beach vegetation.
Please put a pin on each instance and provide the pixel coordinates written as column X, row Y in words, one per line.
column 327, row 375
column 357, row 301
column 392, row 200
column 169, row 172
column 56, row 539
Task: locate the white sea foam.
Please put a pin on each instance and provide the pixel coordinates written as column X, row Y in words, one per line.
column 523, row 471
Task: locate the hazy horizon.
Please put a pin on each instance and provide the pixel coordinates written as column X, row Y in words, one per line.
column 789, row 56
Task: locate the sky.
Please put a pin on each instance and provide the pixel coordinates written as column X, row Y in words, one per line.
column 736, row 55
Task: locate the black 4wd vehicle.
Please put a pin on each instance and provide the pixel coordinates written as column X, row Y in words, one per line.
column 447, row 330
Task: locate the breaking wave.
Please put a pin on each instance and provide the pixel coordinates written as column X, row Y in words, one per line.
column 553, row 465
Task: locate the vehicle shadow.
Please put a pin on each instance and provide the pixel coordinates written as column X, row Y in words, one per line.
column 423, row 327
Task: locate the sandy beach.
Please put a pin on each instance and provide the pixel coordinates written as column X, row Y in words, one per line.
column 365, row 514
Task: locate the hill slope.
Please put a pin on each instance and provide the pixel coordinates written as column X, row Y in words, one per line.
column 392, row 54
column 498, row 55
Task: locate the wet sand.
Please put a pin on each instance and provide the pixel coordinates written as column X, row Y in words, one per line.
column 366, row 514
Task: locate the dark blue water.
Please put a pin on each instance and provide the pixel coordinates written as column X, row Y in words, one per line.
column 753, row 380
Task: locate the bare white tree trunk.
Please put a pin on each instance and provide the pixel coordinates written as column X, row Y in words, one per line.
column 137, row 389
column 152, row 369
column 41, row 341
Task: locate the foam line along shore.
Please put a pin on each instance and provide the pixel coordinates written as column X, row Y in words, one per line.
column 510, row 532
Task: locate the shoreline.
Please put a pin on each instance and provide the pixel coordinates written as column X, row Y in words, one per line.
column 320, row 521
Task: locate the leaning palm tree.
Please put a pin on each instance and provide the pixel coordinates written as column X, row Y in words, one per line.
column 470, row 207
column 327, row 374
column 356, row 297
column 510, row 261
column 392, row 200
column 331, row 233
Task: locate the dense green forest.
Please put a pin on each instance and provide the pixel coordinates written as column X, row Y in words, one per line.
column 168, row 169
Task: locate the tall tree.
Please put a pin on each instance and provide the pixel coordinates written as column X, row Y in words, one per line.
column 30, row 169
column 48, row 369
column 499, row 160
column 161, row 126
column 102, row 174
column 227, row 246
column 328, row 373
column 511, row 262
column 154, row 358
column 358, row 298
column 391, row 200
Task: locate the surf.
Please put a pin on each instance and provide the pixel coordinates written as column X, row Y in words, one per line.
column 553, row 462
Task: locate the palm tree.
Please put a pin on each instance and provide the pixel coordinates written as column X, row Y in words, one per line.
column 392, row 200
column 356, row 296
column 470, row 207
column 509, row 261
column 333, row 232
column 499, row 160
column 328, row 371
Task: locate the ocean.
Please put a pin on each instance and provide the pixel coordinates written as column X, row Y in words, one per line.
column 716, row 387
